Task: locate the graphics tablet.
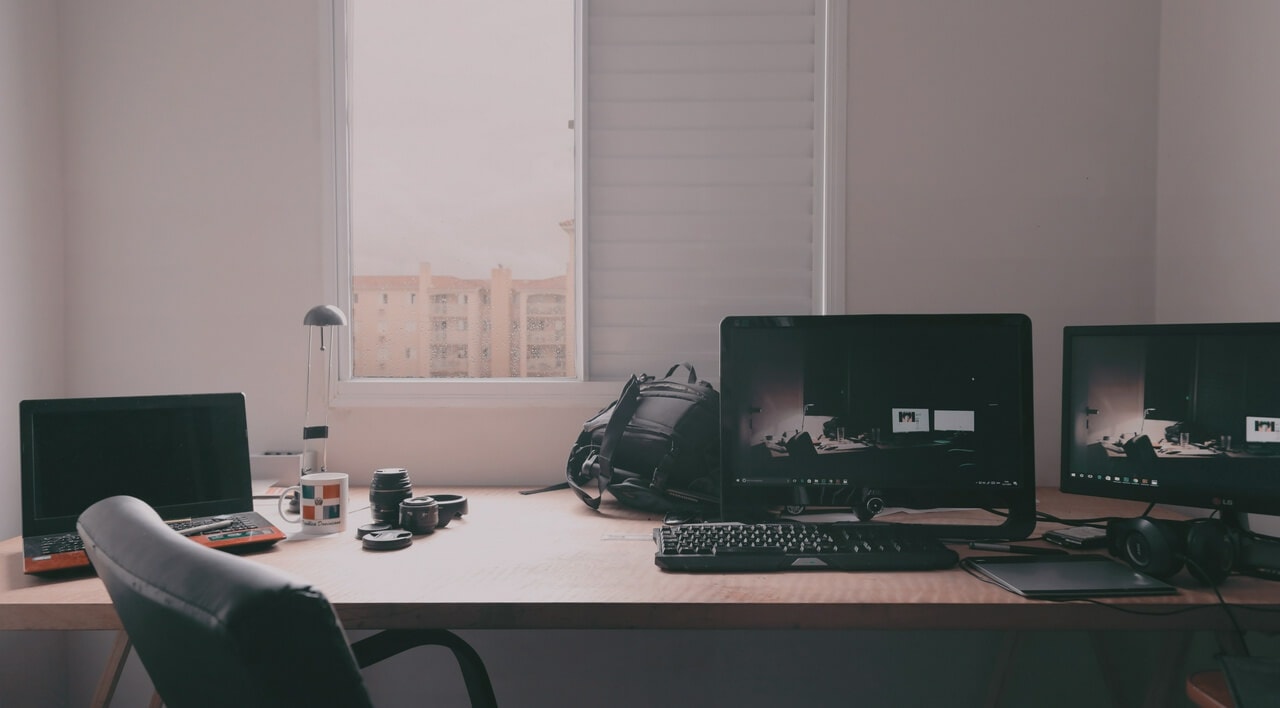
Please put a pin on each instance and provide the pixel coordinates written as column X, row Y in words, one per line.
column 1066, row 577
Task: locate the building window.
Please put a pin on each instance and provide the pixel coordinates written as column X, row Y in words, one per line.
column 710, row 132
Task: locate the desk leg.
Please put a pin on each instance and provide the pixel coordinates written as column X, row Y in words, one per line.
column 111, row 672
column 1166, row 677
column 1000, row 669
column 1173, row 662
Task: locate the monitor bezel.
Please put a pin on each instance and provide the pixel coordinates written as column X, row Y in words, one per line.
column 1257, row 501
column 1014, row 506
column 228, row 404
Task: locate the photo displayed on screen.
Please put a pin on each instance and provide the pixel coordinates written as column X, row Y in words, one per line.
column 1183, row 414
column 910, row 420
column 1261, row 430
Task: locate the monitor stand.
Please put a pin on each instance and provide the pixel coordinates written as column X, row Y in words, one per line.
column 871, row 503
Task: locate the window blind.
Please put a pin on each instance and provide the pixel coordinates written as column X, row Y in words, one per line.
column 702, row 174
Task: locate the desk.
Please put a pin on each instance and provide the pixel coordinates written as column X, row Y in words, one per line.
column 546, row 561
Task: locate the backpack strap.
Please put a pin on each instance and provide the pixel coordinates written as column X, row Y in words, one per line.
column 600, row 465
column 693, row 375
column 663, row 470
column 551, row 488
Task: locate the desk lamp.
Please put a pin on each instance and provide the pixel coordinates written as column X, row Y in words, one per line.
column 319, row 317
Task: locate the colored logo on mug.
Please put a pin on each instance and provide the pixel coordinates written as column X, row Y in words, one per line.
column 325, row 502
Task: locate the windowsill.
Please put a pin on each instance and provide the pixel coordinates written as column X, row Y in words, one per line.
column 394, row 393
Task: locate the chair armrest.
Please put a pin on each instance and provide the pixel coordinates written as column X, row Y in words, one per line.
column 391, row 642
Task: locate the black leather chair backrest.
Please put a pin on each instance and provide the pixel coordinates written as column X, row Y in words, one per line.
column 213, row 629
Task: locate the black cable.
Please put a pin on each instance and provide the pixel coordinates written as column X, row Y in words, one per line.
column 1097, row 521
column 1222, row 602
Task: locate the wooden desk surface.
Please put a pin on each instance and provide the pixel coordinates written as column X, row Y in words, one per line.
column 547, row 561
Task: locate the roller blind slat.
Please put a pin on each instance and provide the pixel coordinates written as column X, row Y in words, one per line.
column 700, row 174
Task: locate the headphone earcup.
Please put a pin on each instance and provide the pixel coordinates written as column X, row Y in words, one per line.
column 1211, row 551
column 1152, row 546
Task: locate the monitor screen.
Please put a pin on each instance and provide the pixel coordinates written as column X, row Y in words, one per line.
column 185, row 455
column 914, row 411
column 1180, row 414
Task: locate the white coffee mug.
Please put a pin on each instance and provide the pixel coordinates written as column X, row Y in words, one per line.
column 322, row 503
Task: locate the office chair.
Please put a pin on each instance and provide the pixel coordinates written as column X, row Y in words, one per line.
column 215, row 629
column 1208, row 689
column 1242, row 682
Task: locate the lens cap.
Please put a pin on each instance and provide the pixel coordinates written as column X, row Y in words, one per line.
column 387, row 540
column 367, row 529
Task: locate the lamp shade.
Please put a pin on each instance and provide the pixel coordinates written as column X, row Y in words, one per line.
column 323, row 316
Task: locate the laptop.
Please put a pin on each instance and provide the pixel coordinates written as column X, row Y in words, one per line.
column 185, row 455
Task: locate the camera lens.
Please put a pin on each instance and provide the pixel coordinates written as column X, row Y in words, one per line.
column 389, row 487
column 419, row 515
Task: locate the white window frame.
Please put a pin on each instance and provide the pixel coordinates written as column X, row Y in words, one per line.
column 829, row 232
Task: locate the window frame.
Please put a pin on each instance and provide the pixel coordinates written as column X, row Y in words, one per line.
column 348, row 391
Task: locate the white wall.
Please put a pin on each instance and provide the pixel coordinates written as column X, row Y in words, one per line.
column 193, row 200
column 1219, row 180
column 1002, row 158
column 31, row 286
column 31, row 227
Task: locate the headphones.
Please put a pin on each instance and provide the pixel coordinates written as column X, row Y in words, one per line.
column 1160, row 548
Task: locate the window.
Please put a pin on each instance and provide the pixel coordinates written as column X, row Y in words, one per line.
column 460, row 174
column 708, row 140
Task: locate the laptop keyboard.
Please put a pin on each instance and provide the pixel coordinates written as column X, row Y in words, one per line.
column 797, row 546
column 71, row 541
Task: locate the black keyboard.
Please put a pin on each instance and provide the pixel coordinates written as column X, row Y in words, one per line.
column 796, row 546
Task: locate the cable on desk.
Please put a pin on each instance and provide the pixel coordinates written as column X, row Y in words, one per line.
column 1098, row 521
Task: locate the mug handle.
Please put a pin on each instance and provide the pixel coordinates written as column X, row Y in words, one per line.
column 282, row 507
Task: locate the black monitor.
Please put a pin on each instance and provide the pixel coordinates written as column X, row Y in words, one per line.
column 1182, row 414
column 864, row 412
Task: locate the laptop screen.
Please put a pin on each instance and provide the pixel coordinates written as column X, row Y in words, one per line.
column 904, row 411
column 185, row 455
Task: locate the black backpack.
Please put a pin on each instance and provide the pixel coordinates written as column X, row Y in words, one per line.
column 656, row 448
